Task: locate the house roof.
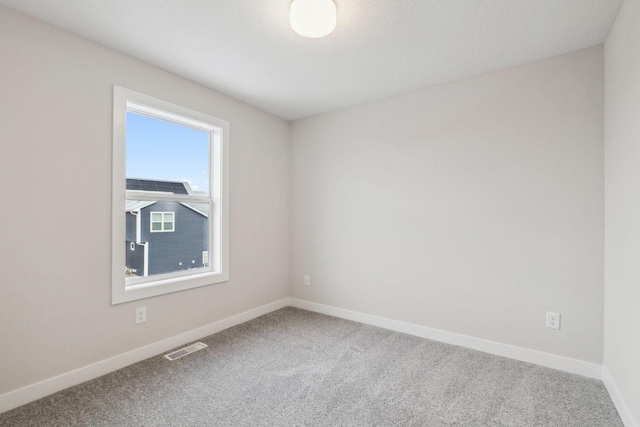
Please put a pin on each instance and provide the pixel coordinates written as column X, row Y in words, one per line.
column 201, row 208
column 175, row 187
column 136, row 205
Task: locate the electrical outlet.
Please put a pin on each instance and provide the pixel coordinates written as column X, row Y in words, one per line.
column 307, row 280
column 553, row 320
column 141, row 315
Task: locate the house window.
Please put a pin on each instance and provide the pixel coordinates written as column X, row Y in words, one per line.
column 162, row 222
column 170, row 175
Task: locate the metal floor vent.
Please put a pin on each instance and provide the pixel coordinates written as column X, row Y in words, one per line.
column 184, row 351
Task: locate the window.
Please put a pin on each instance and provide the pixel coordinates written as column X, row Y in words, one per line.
column 170, row 198
column 162, row 222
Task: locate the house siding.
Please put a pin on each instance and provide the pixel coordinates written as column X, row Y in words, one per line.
column 131, row 228
column 184, row 245
column 135, row 258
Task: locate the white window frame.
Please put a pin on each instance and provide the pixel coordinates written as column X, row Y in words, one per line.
column 130, row 289
column 162, row 222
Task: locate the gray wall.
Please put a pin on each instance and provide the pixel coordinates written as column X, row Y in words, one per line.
column 472, row 207
column 622, row 178
column 55, row 150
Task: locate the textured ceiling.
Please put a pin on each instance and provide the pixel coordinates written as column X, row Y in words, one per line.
column 246, row 48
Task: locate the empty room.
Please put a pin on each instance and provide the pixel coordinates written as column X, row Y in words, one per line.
column 320, row 213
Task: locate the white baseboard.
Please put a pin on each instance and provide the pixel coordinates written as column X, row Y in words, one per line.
column 574, row 366
column 618, row 401
column 36, row 391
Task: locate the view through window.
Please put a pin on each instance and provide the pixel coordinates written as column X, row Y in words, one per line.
column 172, row 161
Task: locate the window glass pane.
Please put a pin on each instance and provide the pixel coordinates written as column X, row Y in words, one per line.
column 156, row 217
column 165, row 153
column 175, row 247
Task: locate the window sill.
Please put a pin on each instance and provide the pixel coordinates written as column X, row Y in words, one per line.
column 165, row 286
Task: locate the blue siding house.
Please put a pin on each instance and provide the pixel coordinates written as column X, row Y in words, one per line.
column 164, row 236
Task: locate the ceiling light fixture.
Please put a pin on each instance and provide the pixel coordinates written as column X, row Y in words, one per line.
column 313, row 18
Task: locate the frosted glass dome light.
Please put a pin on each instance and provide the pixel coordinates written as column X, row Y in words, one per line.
column 313, row 18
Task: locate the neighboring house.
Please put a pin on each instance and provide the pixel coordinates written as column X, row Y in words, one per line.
column 164, row 236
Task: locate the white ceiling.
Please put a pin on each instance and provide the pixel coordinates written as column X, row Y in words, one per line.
column 246, row 48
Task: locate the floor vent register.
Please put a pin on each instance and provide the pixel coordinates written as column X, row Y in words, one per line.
column 184, row 351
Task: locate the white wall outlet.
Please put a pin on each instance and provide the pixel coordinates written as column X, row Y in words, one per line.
column 307, row 280
column 141, row 315
column 553, row 320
